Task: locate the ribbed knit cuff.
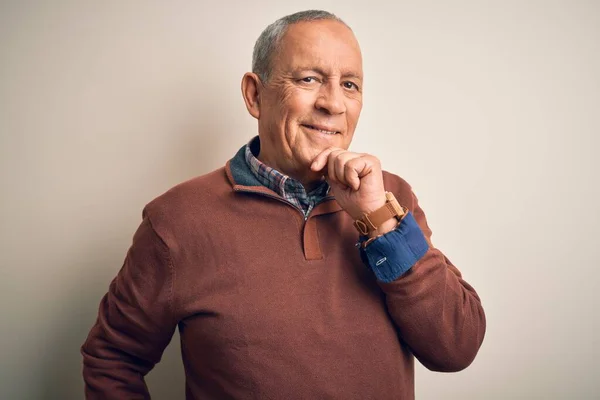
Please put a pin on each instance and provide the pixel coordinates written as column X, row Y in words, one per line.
column 394, row 253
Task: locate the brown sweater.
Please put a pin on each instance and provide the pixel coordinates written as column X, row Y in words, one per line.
column 270, row 306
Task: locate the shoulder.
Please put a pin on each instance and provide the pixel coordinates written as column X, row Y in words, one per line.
column 188, row 202
column 188, row 193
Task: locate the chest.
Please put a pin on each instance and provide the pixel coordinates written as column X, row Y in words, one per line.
column 255, row 312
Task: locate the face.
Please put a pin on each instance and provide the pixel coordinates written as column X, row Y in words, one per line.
column 313, row 97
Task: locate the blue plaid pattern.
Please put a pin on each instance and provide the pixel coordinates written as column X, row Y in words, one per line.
column 290, row 189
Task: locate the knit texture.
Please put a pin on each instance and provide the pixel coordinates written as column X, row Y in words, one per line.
column 272, row 306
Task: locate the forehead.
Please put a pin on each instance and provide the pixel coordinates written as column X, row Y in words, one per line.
column 327, row 44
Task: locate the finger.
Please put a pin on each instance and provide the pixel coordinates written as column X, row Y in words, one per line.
column 353, row 171
column 369, row 165
column 321, row 160
column 340, row 166
column 331, row 172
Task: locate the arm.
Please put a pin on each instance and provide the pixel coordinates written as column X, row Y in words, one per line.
column 437, row 314
column 135, row 322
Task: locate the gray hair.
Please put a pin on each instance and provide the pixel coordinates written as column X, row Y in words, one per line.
column 269, row 40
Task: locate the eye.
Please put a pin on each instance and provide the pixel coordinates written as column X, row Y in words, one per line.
column 350, row 85
column 309, row 79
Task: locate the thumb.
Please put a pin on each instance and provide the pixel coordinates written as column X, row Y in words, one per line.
column 320, row 161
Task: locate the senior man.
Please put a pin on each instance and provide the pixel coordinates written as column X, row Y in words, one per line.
column 299, row 270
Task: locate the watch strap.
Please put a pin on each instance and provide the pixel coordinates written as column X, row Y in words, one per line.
column 370, row 222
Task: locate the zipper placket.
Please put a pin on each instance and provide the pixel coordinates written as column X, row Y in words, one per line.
column 280, row 199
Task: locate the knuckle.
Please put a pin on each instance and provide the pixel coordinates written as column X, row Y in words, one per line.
column 373, row 159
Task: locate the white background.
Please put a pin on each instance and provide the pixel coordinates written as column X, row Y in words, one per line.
column 490, row 109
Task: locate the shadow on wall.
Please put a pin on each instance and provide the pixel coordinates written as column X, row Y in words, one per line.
column 60, row 370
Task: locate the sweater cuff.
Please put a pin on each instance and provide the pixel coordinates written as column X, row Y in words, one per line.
column 394, row 253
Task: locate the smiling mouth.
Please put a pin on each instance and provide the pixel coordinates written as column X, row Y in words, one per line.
column 320, row 130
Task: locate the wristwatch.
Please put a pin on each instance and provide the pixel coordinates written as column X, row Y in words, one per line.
column 391, row 209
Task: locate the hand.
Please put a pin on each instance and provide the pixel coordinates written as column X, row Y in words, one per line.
column 355, row 179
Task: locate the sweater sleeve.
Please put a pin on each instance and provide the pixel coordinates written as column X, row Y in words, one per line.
column 135, row 322
column 436, row 312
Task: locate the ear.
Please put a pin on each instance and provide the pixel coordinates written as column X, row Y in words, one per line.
column 251, row 87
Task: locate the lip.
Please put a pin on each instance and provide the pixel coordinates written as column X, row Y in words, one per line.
column 321, row 127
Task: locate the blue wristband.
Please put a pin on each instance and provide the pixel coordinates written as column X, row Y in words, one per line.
column 394, row 253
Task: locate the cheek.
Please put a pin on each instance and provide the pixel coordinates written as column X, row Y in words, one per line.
column 299, row 103
column 353, row 112
column 285, row 96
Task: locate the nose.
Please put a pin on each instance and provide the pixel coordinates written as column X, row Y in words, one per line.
column 331, row 99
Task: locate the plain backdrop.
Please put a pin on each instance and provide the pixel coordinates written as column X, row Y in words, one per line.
column 490, row 109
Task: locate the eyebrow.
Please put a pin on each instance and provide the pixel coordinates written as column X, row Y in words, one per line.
column 322, row 72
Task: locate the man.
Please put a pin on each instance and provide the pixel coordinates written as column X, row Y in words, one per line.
column 300, row 270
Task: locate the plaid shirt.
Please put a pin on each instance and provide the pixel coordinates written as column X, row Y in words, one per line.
column 290, row 189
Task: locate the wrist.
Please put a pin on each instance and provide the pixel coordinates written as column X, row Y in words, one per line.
column 369, row 208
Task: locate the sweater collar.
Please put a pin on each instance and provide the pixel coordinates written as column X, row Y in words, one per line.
column 287, row 187
column 242, row 179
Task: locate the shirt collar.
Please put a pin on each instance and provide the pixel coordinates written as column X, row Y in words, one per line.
column 284, row 185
